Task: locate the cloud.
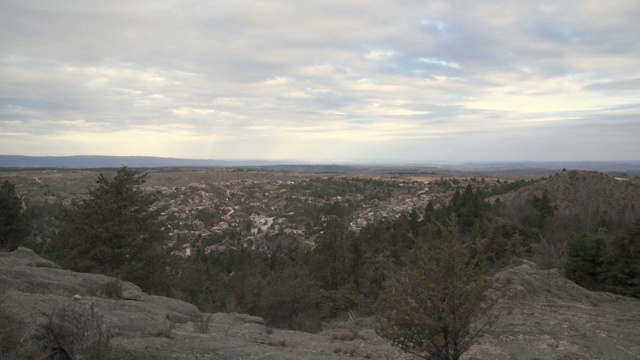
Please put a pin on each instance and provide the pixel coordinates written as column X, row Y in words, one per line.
column 321, row 80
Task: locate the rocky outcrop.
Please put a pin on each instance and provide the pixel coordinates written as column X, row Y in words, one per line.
column 78, row 327
column 541, row 316
column 75, row 312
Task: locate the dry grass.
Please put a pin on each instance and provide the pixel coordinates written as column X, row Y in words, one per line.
column 350, row 351
column 203, row 324
column 162, row 329
column 280, row 342
column 348, row 335
column 113, row 289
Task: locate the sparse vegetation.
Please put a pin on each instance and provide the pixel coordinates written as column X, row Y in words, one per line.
column 277, row 342
column 162, row 329
column 113, row 289
column 435, row 306
column 345, row 350
column 203, row 324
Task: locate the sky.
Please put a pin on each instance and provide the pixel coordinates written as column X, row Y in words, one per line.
column 351, row 81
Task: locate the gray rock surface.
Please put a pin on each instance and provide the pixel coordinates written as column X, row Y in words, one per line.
column 542, row 316
column 78, row 328
column 545, row 316
column 71, row 311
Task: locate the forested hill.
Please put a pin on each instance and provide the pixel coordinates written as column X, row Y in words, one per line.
column 580, row 200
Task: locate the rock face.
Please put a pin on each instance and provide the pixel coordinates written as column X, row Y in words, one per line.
column 75, row 312
column 542, row 316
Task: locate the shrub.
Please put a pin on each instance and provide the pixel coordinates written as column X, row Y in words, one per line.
column 435, row 306
column 203, row 324
column 113, row 289
column 162, row 329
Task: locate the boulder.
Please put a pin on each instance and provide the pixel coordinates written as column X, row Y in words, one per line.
column 78, row 328
column 25, row 257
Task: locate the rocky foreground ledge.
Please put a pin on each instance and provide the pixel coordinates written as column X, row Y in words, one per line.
column 543, row 316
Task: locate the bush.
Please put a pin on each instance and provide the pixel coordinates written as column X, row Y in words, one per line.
column 113, row 289
column 203, row 324
column 162, row 329
column 435, row 306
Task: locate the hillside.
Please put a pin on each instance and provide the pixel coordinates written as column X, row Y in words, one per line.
column 542, row 315
column 583, row 200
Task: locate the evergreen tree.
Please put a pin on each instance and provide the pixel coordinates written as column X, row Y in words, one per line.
column 14, row 226
column 622, row 263
column 584, row 260
column 331, row 260
column 115, row 231
column 545, row 207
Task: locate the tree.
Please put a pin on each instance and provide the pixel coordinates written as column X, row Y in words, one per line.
column 288, row 298
column 622, row 264
column 115, row 231
column 545, row 207
column 435, row 306
column 14, row 227
column 585, row 260
column 331, row 262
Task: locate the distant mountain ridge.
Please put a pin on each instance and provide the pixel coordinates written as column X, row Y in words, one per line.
column 95, row 161
column 530, row 168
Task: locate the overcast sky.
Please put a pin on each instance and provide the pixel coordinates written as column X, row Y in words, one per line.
column 322, row 81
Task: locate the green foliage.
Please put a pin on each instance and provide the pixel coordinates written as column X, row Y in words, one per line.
column 202, row 283
column 115, row 231
column 467, row 206
column 545, row 208
column 434, row 305
column 585, row 260
column 611, row 265
column 331, row 261
column 505, row 187
column 14, row 226
column 622, row 263
column 287, row 298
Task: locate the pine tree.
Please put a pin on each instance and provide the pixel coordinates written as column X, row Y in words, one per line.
column 14, row 226
column 115, row 231
column 622, row 262
column 584, row 260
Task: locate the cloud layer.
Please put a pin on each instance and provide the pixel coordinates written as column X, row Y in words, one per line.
column 322, row 81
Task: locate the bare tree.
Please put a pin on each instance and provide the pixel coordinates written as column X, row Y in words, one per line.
column 435, row 306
